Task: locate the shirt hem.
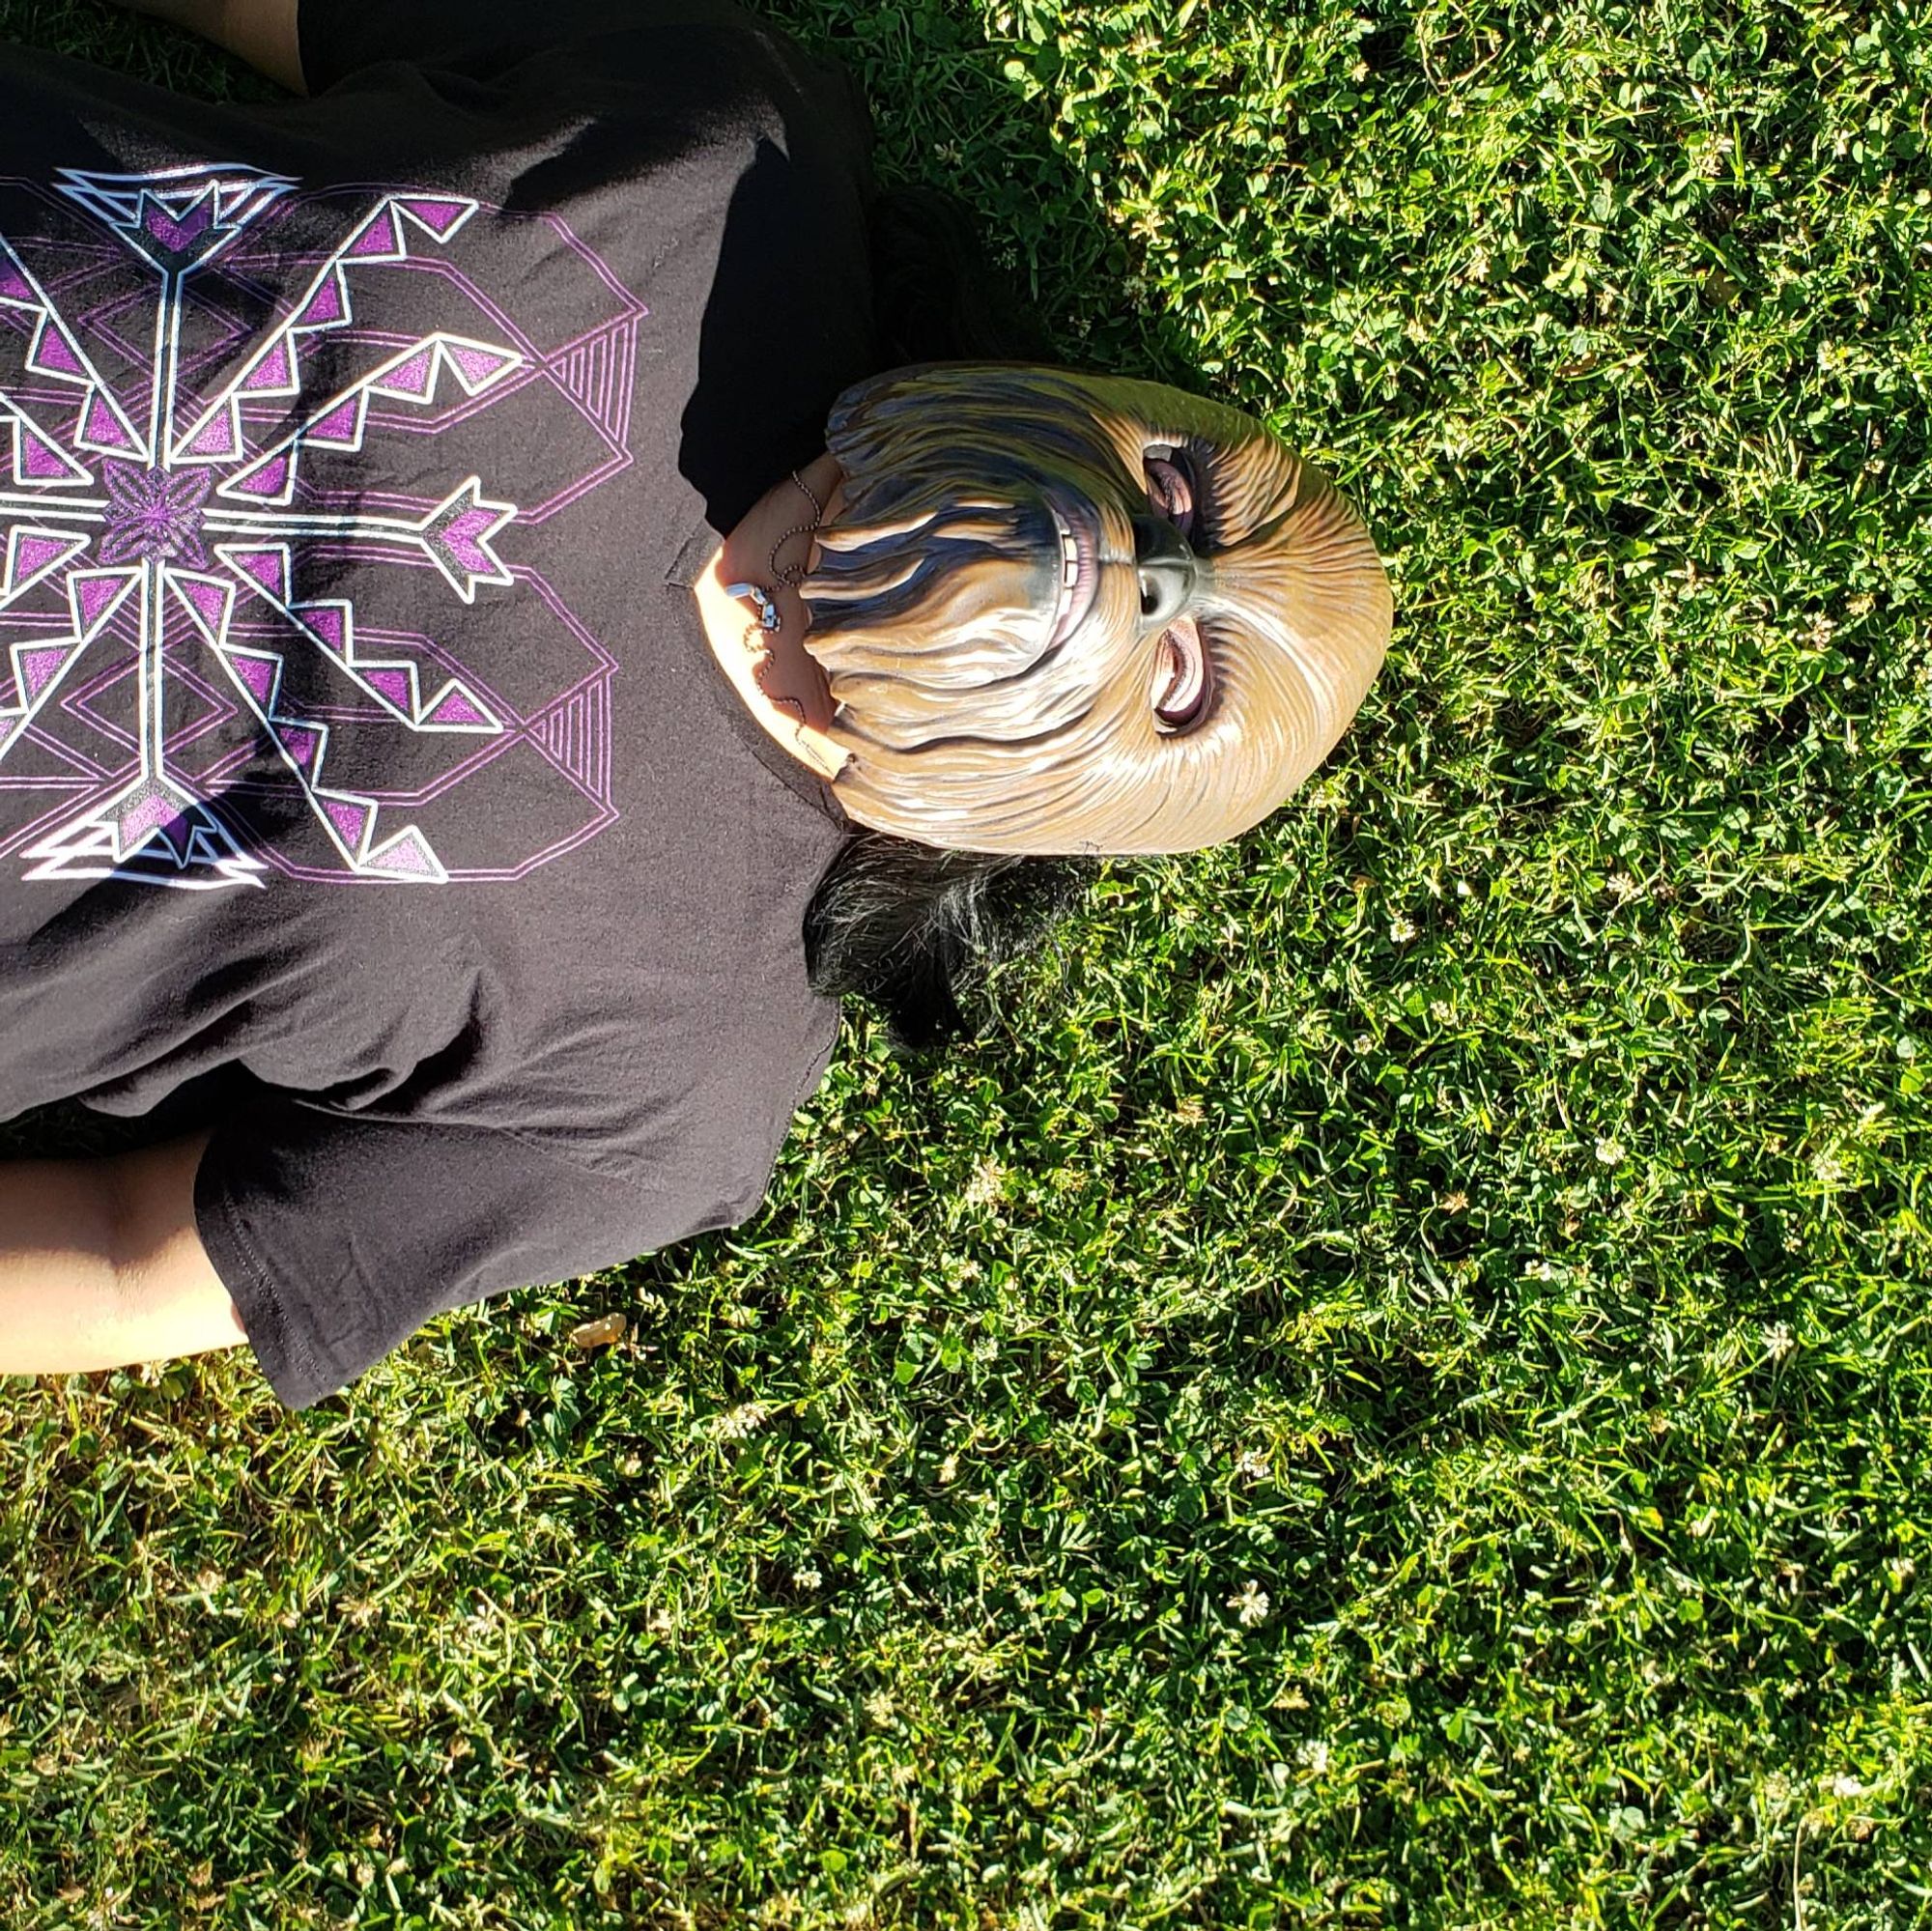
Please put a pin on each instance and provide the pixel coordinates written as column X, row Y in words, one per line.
column 286, row 1359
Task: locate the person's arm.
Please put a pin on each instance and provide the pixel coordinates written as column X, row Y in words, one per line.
column 261, row 32
column 101, row 1264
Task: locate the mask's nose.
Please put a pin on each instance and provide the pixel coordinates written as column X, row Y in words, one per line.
column 1167, row 567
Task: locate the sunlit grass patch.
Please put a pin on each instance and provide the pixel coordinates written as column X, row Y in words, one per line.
column 1391, row 1385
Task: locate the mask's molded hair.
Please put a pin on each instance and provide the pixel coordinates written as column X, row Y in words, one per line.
column 976, row 713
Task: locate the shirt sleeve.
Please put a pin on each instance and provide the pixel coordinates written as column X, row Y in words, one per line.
column 478, row 38
column 338, row 1237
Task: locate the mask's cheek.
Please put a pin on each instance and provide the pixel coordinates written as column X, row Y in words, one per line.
column 1101, row 672
column 930, row 725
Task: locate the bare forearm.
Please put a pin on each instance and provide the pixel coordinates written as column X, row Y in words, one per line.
column 261, row 32
column 59, row 1286
column 93, row 1274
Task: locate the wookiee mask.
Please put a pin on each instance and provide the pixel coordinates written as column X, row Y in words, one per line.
column 1073, row 613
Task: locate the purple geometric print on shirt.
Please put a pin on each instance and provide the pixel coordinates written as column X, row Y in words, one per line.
column 180, row 494
column 153, row 513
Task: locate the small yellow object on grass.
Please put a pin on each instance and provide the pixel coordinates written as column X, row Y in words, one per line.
column 601, row 1332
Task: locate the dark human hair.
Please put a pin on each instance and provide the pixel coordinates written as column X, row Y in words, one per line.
column 913, row 930
column 910, row 929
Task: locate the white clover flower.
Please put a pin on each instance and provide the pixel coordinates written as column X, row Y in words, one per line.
column 735, row 1424
column 1609, row 1152
column 988, row 1184
column 805, row 1579
column 1312, row 1755
column 1250, row 1604
column 1777, row 1339
column 1251, row 1464
column 1625, row 1821
column 1401, row 929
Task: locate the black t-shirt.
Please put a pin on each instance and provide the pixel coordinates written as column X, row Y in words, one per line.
column 357, row 732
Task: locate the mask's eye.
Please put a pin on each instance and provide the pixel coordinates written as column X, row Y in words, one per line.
column 1170, row 487
column 1183, row 677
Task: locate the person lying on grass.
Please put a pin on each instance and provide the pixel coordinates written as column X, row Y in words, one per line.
column 489, row 659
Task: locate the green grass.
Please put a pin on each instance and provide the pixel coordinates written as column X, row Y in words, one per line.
column 1483, row 1214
